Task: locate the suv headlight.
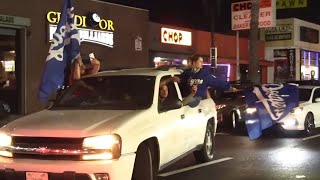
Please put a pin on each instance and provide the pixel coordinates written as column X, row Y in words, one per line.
column 5, row 142
column 102, row 147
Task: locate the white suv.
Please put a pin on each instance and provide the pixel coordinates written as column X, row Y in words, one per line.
column 107, row 126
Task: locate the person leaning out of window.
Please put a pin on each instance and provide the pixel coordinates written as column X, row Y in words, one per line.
column 81, row 67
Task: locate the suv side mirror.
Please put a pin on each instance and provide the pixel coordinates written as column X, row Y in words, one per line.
column 317, row 100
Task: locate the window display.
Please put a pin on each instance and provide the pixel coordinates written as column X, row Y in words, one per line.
column 309, row 65
column 284, row 65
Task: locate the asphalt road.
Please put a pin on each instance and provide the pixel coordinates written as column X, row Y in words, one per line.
column 273, row 156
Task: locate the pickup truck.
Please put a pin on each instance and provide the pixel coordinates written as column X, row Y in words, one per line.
column 107, row 126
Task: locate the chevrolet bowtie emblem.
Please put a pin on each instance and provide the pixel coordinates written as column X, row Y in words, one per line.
column 43, row 150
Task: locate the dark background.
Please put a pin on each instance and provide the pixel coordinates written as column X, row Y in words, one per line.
column 194, row 13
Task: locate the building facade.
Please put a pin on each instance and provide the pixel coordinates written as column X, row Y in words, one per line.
column 118, row 39
column 171, row 45
column 294, row 47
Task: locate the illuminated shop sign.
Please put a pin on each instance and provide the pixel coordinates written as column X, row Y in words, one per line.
column 173, row 36
column 104, row 36
column 285, row 4
column 241, row 14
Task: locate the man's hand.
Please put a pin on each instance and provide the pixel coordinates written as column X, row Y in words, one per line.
column 232, row 89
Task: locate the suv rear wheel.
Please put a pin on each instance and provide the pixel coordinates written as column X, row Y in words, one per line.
column 207, row 150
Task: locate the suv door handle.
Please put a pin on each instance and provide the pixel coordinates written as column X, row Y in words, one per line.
column 182, row 116
column 200, row 110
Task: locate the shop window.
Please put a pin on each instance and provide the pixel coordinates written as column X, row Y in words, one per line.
column 284, row 65
column 309, row 65
column 175, row 62
column 9, row 66
column 223, row 72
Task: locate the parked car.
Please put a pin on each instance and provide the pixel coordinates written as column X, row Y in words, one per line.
column 230, row 109
column 108, row 126
column 306, row 116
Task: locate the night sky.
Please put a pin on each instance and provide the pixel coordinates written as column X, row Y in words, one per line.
column 194, row 13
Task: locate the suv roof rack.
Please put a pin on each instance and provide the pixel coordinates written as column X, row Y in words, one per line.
column 169, row 67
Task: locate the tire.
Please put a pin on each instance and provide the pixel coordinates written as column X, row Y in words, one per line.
column 309, row 124
column 207, row 151
column 231, row 121
column 143, row 166
column 234, row 116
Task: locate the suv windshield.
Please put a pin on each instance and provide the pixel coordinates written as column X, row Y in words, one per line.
column 304, row 94
column 108, row 92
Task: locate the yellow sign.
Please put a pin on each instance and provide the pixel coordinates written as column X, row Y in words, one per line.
column 54, row 18
column 286, row 4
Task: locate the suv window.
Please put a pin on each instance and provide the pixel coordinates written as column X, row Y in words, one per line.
column 316, row 94
column 304, row 94
column 123, row 92
column 171, row 89
column 172, row 95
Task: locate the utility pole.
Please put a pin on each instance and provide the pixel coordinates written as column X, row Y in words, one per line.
column 253, row 44
column 212, row 13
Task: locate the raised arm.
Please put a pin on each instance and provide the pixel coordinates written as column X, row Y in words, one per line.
column 166, row 81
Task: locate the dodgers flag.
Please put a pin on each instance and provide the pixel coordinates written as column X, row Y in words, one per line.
column 65, row 47
column 267, row 104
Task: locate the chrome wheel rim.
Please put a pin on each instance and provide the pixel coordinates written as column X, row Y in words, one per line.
column 209, row 144
column 309, row 125
column 233, row 115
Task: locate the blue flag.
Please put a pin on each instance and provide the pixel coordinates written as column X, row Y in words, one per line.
column 267, row 104
column 65, row 47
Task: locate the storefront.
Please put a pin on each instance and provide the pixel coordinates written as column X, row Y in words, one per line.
column 118, row 38
column 171, row 45
column 293, row 45
column 227, row 55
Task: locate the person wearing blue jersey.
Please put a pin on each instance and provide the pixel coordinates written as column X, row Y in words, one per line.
column 203, row 79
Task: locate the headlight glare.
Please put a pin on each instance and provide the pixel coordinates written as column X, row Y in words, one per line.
column 106, row 147
column 100, row 142
column 5, row 140
column 251, row 110
column 290, row 122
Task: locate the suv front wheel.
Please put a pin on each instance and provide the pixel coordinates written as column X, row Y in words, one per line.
column 207, row 151
column 143, row 166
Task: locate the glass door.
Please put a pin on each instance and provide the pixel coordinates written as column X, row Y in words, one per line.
column 9, row 96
